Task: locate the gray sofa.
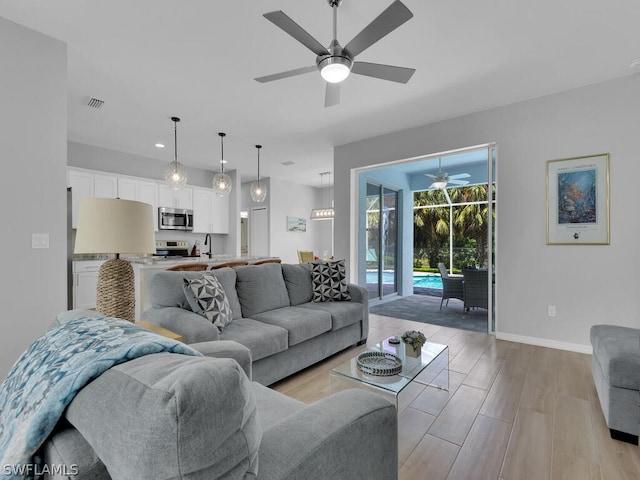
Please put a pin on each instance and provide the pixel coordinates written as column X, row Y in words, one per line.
column 616, row 374
column 273, row 316
column 166, row 416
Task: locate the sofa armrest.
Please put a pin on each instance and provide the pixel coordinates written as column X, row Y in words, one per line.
column 193, row 327
column 351, row 434
column 226, row 349
column 361, row 295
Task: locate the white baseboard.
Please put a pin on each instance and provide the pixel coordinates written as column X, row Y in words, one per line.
column 544, row 342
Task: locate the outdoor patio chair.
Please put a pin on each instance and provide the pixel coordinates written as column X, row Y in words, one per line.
column 452, row 285
column 475, row 289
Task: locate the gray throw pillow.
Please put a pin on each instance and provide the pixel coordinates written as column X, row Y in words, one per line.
column 207, row 297
column 329, row 281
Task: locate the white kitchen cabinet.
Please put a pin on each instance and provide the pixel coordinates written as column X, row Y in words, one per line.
column 105, row 185
column 88, row 184
column 132, row 188
column 81, row 184
column 85, row 282
column 182, row 198
column 210, row 212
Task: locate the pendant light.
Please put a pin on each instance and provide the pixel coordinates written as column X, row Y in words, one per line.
column 221, row 181
column 258, row 188
column 326, row 212
column 175, row 174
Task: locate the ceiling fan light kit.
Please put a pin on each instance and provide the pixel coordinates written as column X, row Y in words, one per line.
column 335, row 62
column 334, row 69
column 175, row 175
column 442, row 179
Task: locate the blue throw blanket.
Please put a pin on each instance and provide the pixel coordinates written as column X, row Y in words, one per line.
column 52, row 370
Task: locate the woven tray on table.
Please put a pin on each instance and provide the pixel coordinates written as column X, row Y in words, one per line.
column 379, row 363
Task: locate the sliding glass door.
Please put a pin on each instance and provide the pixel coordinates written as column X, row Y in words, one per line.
column 381, row 240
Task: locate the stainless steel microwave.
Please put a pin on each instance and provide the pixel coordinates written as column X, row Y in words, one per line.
column 175, row 219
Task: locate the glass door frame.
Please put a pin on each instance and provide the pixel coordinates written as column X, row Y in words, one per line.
column 381, row 249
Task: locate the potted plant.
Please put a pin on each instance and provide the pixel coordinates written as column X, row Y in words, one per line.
column 414, row 340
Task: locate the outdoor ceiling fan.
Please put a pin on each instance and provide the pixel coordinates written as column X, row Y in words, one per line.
column 442, row 179
column 336, row 62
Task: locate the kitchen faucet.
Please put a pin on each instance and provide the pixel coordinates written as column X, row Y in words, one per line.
column 207, row 237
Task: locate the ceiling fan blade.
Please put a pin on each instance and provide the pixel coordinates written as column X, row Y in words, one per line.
column 385, row 72
column 435, row 177
column 280, row 19
column 288, row 73
column 332, row 94
column 458, row 182
column 460, row 175
column 394, row 16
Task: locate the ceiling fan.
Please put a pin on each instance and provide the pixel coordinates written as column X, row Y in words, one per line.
column 442, row 179
column 336, row 62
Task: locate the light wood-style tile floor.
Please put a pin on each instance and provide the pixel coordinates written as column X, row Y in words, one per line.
column 512, row 412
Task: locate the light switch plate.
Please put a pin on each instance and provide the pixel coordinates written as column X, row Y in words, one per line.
column 39, row 240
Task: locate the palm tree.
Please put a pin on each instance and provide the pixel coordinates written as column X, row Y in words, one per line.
column 431, row 230
column 471, row 220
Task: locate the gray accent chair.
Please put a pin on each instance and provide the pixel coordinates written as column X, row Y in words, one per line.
column 616, row 374
column 452, row 286
column 167, row 416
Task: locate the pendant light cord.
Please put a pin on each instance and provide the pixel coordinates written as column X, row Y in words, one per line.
column 258, row 147
column 222, row 135
column 175, row 140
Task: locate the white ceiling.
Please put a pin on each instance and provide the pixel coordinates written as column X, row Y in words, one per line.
column 196, row 59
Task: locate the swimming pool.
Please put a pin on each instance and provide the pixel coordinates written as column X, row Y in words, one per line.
column 420, row 279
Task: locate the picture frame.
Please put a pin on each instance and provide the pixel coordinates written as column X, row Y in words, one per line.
column 578, row 200
column 296, row 224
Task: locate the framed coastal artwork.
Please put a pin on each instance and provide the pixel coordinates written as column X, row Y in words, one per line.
column 578, row 200
column 296, row 224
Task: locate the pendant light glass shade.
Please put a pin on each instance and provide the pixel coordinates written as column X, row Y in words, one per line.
column 222, row 184
column 258, row 188
column 326, row 212
column 175, row 174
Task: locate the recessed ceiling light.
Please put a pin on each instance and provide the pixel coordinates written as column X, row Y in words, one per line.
column 160, row 145
column 288, row 163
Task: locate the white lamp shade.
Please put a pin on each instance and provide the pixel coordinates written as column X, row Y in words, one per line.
column 113, row 225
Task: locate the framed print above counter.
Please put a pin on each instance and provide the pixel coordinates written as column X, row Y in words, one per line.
column 578, row 200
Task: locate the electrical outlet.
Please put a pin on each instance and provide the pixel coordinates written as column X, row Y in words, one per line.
column 551, row 310
column 39, row 240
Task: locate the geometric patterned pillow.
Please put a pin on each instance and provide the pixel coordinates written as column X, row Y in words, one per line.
column 329, row 281
column 207, row 297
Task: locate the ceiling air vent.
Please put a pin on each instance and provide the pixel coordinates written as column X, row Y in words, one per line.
column 95, row 103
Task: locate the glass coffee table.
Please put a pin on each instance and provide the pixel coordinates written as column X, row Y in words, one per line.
column 432, row 367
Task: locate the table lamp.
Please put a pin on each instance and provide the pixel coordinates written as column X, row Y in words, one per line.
column 115, row 226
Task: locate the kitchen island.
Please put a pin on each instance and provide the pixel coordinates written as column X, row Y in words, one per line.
column 146, row 267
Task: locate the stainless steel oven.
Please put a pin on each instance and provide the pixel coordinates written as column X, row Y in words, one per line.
column 175, row 219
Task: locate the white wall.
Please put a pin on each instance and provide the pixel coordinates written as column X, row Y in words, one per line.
column 33, row 146
column 289, row 199
column 588, row 284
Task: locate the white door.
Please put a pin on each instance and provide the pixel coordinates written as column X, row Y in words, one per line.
column 259, row 232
